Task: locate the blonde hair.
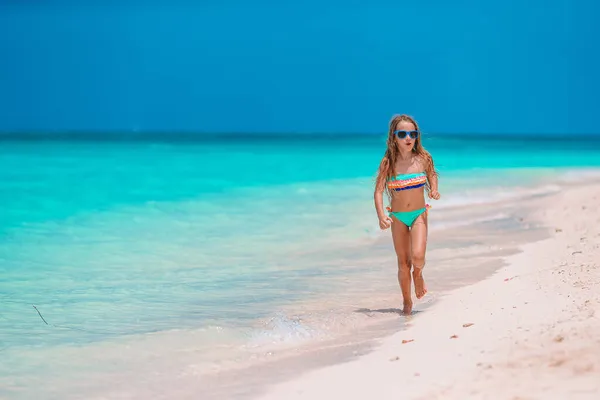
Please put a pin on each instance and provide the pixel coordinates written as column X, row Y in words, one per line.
column 388, row 162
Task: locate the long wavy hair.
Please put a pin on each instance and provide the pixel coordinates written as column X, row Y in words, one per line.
column 388, row 162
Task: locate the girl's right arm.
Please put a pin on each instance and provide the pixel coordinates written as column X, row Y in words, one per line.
column 384, row 220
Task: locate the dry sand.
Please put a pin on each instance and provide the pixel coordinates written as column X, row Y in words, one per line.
column 530, row 331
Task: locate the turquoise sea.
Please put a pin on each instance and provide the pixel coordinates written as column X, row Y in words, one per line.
column 114, row 237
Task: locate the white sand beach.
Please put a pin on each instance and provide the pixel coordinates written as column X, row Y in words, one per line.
column 529, row 331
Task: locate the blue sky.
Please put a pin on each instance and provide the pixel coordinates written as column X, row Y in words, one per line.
column 483, row 67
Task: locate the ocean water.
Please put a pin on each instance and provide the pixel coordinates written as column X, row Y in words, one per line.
column 196, row 239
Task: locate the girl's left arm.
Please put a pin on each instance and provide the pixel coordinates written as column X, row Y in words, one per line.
column 432, row 177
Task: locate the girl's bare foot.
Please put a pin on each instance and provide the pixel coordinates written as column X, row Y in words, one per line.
column 407, row 307
column 420, row 288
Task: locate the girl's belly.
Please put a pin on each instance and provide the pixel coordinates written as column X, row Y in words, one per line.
column 408, row 200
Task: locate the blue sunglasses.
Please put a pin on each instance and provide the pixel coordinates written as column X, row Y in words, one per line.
column 402, row 134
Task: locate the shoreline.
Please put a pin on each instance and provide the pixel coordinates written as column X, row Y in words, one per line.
column 484, row 257
column 490, row 339
column 182, row 368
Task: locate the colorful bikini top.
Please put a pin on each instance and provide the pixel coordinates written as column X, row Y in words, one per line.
column 407, row 181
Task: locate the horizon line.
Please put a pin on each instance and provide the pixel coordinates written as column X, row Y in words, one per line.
column 123, row 134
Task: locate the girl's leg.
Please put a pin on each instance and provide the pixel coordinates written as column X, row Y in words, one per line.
column 418, row 238
column 401, row 236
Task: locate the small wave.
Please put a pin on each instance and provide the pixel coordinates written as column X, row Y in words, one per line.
column 495, row 194
column 579, row 175
column 282, row 329
column 454, row 223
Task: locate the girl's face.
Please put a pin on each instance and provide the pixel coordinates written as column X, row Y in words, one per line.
column 406, row 135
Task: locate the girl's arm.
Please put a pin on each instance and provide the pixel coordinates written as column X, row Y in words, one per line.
column 378, row 197
column 432, row 177
column 384, row 220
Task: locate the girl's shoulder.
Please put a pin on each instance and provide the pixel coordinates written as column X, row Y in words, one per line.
column 421, row 161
